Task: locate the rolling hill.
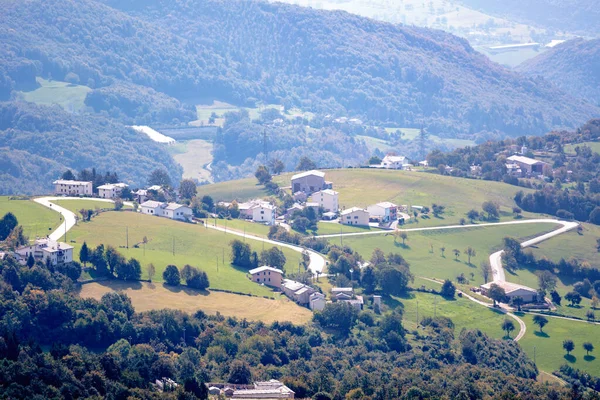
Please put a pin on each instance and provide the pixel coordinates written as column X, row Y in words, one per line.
column 574, row 66
column 243, row 51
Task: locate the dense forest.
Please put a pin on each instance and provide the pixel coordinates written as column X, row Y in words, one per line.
column 577, row 16
column 106, row 349
column 243, row 51
column 42, row 142
column 573, row 66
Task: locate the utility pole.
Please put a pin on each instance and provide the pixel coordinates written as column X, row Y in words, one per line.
column 417, row 314
column 265, row 151
column 534, row 354
column 173, row 245
column 127, row 236
column 223, row 248
column 217, row 264
column 434, row 307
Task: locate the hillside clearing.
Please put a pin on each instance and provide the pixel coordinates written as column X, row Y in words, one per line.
column 69, row 96
column 193, row 156
column 35, row 219
column 153, row 296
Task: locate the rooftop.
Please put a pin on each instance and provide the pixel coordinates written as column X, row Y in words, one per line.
column 525, row 160
column 329, row 192
column 292, row 285
column 67, row 182
column 151, row 204
column 341, row 289
column 264, row 268
column 351, row 210
column 309, row 173
column 394, row 158
column 174, row 206
column 508, row 287
column 386, row 204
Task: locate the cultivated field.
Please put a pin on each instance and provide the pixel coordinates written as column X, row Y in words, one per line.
column 423, row 262
column 68, row 96
column 36, row 219
column 171, row 242
column 152, row 296
column 193, row 156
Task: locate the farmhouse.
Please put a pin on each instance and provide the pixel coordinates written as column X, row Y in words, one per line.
column 513, row 290
column 326, row 199
column 317, row 301
column 310, row 182
column 272, row 389
column 529, row 166
column 72, row 188
column 152, row 207
column 393, row 162
column 264, row 213
column 268, row 276
column 297, row 291
column 346, row 295
column 167, row 210
column 354, row 216
column 383, row 212
column 111, row 190
column 47, row 251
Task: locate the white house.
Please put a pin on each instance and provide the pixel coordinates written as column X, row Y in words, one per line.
column 152, row 207
column 178, row 211
column 317, row 301
column 393, row 162
column 268, row 276
column 384, row 212
column 354, row 216
column 72, row 188
column 528, row 166
column 47, row 250
column 309, row 182
column 297, row 291
column 111, row 190
column 272, row 389
column 264, row 213
column 327, row 199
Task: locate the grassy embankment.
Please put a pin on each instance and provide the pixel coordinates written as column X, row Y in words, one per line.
column 172, row 242
column 36, row 219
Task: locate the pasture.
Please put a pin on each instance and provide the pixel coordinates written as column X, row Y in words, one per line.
column 76, row 205
column 69, row 96
column 152, row 296
column 172, row 242
column 193, row 156
column 36, row 219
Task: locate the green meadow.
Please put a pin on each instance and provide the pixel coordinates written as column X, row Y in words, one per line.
column 69, row 96
column 36, row 219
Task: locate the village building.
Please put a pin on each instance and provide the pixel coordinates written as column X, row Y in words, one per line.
column 264, row 213
column 111, row 190
column 529, row 166
column 152, row 207
column 310, row 182
column 268, row 276
column 47, row 251
column 297, row 291
column 327, row 199
column 272, row 389
column 513, row 290
column 293, row 209
column 394, row 162
column 383, row 212
column 354, row 216
column 167, row 210
column 317, row 301
column 72, row 188
column 347, row 295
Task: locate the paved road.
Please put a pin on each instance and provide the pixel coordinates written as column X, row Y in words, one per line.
column 317, row 261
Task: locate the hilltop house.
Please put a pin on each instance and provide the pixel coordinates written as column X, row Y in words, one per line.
column 47, row 251
column 383, row 212
column 268, row 276
column 513, row 290
column 167, row 210
column 111, row 190
column 394, row 162
column 272, row 389
column 354, row 216
column 297, row 291
column 258, row 211
column 346, row 295
column 310, row 182
column 529, row 166
column 72, row 188
column 326, row 199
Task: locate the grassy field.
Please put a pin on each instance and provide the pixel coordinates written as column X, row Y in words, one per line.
column 204, row 111
column 240, row 225
column 549, row 353
column 151, row 296
column 413, row 133
column 330, row 228
column 423, row 262
column 76, row 205
column 191, row 244
column 68, row 96
column 570, row 148
column 193, row 156
column 362, row 187
column 36, row 219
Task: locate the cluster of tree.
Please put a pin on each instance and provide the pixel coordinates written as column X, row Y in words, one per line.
column 390, row 274
column 109, row 262
column 137, row 104
column 31, row 134
column 564, row 203
column 280, row 234
column 194, row 277
column 40, row 309
column 7, row 224
column 243, row 256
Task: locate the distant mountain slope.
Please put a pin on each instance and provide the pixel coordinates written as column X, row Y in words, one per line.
column 38, row 143
column 241, row 51
column 574, row 66
column 577, row 16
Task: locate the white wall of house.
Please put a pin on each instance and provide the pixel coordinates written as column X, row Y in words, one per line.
column 355, row 217
column 264, row 214
column 327, row 199
column 72, row 188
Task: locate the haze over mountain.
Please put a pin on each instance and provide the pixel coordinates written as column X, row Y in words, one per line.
column 574, row 66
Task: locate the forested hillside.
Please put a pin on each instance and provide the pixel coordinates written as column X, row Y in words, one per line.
column 39, row 143
column 574, row 66
column 578, row 16
column 243, row 51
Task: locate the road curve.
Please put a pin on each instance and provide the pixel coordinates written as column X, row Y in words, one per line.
column 317, row 261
